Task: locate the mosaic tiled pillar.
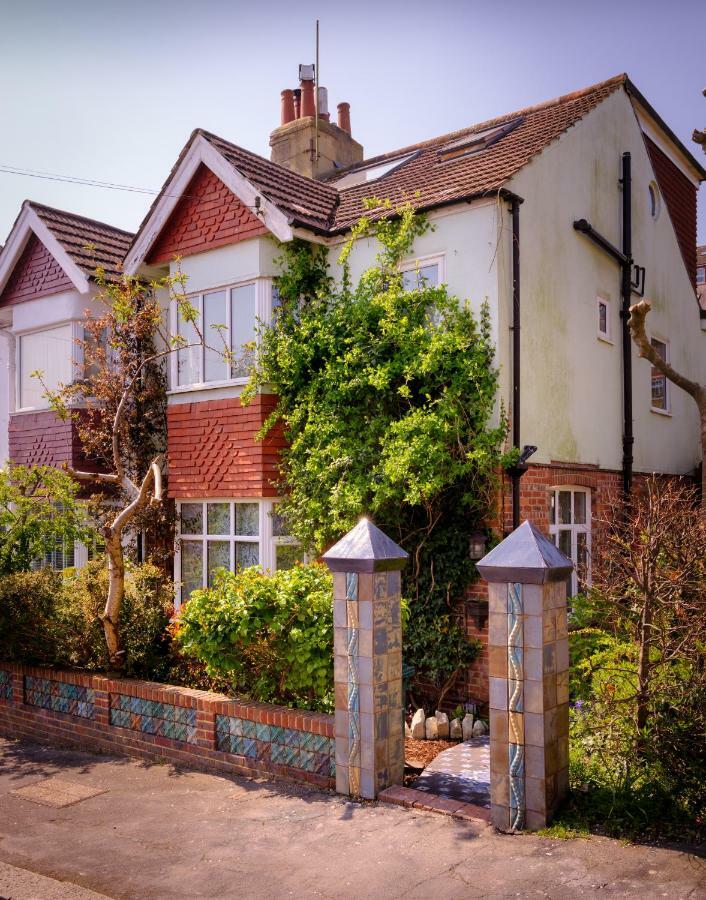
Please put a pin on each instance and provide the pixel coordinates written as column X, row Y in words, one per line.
column 367, row 661
column 528, row 658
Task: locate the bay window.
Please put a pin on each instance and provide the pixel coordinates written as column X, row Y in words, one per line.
column 227, row 319
column 50, row 352
column 229, row 534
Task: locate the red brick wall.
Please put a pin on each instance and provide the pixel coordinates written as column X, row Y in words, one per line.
column 213, row 452
column 680, row 196
column 208, row 216
column 43, row 439
column 36, row 274
column 22, row 720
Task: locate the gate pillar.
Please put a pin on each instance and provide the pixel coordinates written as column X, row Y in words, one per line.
column 369, row 734
column 528, row 652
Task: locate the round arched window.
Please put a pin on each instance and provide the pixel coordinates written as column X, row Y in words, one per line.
column 654, row 200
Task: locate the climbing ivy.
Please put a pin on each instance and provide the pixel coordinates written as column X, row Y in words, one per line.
column 387, row 397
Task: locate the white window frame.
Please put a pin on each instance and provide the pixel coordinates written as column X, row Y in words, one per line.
column 575, row 529
column 667, row 411
column 263, row 314
column 605, row 336
column 419, row 262
column 77, row 334
column 701, row 269
column 265, row 539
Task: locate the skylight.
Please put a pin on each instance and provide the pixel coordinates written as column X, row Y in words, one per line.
column 477, row 141
column 372, row 173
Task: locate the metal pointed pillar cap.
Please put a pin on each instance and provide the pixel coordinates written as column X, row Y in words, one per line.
column 526, row 556
column 365, row 549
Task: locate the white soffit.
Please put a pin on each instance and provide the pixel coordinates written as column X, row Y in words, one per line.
column 203, row 152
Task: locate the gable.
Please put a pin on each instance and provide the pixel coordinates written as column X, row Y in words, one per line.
column 680, row 197
column 36, row 274
column 208, row 215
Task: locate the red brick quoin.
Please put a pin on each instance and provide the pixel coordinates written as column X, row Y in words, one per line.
column 36, row 274
column 209, row 215
column 213, row 451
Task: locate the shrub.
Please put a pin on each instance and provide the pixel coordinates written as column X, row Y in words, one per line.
column 271, row 636
column 144, row 617
column 28, row 628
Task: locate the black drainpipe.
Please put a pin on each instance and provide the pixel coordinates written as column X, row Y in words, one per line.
column 515, row 472
column 626, row 293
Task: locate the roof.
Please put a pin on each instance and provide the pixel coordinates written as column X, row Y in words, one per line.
column 428, row 180
column 89, row 243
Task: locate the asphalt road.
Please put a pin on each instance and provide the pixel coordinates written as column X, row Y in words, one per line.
column 156, row 832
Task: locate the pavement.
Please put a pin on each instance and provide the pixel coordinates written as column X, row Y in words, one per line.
column 93, row 825
column 460, row 773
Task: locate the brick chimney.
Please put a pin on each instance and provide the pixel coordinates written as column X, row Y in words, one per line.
column 293, row 143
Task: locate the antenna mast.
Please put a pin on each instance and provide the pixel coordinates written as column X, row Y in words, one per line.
column 316, row 106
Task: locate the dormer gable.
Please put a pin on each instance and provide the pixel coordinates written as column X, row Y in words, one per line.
column 208, row 215
column 36, row 274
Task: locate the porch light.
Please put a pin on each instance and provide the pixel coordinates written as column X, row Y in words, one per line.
column 476, row 545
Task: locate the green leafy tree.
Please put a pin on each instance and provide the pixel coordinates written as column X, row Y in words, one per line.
column 388, row 400
column 39, row 510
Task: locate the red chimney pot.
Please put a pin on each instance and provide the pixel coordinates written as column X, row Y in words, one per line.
column 308, row 103
column 344, row 117
column 287, row 106
column 297, row 103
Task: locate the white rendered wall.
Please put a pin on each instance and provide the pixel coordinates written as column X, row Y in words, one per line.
column 571, row 381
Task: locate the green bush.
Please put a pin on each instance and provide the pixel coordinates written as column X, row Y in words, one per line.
column 28, row 627
column 49, row 618
column 144, row 616
column 271, row 636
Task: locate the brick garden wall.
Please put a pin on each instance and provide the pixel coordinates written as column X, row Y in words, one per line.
column 197, row 729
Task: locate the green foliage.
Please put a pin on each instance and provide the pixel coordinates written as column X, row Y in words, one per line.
column 388, row 398
column 144, row 617
column 271, row 636
column 38, row 510
column 28, row 630
column 50, row 618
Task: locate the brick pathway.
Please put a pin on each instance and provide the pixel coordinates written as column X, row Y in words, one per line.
column 461, row 773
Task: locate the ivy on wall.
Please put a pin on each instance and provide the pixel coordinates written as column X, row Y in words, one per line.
column 387, row 396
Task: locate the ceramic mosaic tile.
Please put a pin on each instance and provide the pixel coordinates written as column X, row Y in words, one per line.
column 5, row 685
column 178, row 723
column 59, row 696
column 273, row 743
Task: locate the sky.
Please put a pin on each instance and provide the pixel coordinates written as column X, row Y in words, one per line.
column 110, row 91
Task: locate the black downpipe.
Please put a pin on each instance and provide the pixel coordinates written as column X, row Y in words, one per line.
column 516, row 474
column 626, row 293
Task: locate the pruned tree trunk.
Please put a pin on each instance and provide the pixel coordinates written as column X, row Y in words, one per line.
column 643, row 670
column 638, row 314
column 116, row 590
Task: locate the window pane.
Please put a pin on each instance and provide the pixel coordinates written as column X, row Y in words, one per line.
column 286, row 555
column 242, row 300
column 602, row 318
column 659, row 382
column 218, row 557
column 50, row 352
column 218, row 517
column 564, row 507
column 191, row 518
column 247, row 519
column 552, row 509
column 565, row 542
column 215, row 338
column 191, row 567
column 581, row 557
column 579, row 508
column 701, row 274
column 188, row 358
column 246, row 554
column 279, row 525
column 424, row 276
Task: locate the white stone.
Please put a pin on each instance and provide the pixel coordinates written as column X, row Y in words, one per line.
column 467, row 726
column 479, row 728
column 407, row 731
column 455, row 730
column 418, row 729
column 432, row 728
column 442, row 724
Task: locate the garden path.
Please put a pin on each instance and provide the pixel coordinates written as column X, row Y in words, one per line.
column 460, row 773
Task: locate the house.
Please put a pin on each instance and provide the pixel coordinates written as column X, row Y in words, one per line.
column 557, row 215
column 47, row 282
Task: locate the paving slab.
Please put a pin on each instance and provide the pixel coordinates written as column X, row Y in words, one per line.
column 460, row 773
column 160, row 832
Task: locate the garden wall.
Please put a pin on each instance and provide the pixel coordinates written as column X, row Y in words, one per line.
column 198, row 729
